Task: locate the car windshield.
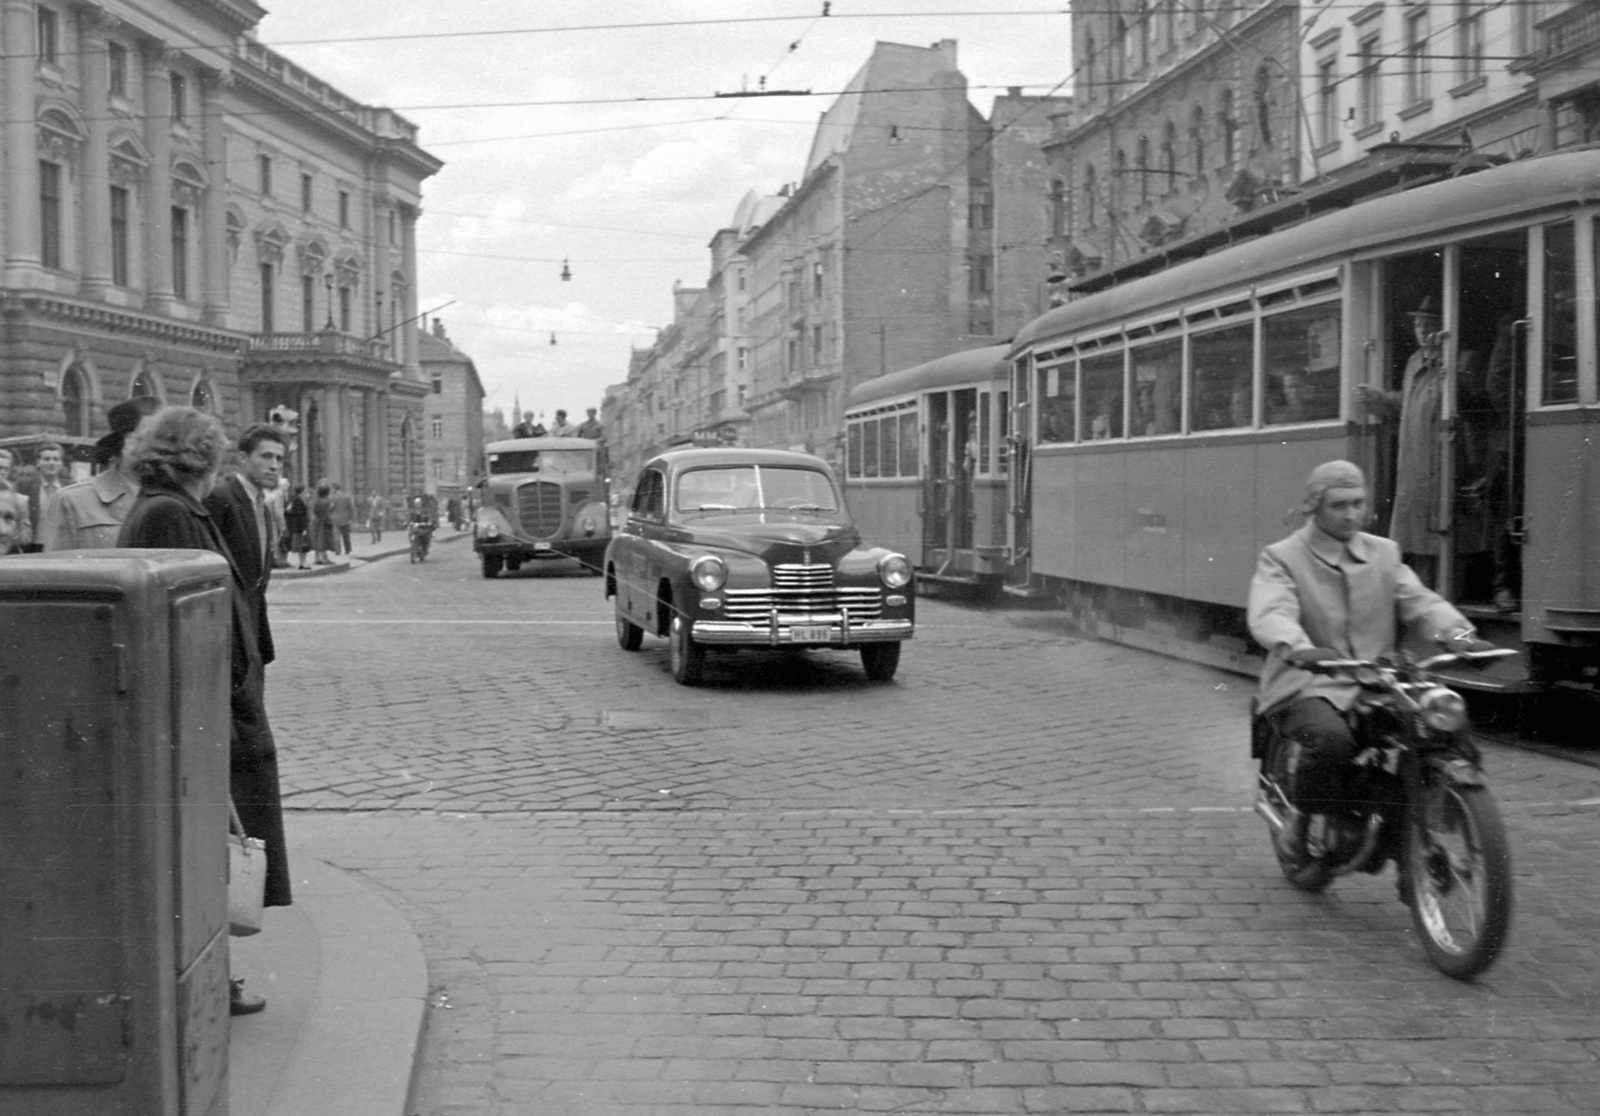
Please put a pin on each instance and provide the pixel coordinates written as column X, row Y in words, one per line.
column 551, row 462
column 755, row 487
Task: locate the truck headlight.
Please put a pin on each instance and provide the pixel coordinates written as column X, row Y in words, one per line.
column 894, row 571
column 708, row 572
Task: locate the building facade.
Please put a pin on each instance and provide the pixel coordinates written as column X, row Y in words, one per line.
column 189, row 215
column 1185, row 115
column 917, row 228
column 453, row 419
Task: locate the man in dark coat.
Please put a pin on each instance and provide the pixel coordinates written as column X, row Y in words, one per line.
column 238, row 505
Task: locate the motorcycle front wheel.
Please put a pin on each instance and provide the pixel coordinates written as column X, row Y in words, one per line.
column 1457, row 861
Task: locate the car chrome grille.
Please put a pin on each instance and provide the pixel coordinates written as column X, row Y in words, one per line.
column 539, row 508
column 801, row 592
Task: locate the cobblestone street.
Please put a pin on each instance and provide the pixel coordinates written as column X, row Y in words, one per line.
column 1024, row 877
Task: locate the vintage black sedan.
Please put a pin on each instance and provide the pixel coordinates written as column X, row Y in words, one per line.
column 730, row 548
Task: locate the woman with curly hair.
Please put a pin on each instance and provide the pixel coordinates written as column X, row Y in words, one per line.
column 174, row 455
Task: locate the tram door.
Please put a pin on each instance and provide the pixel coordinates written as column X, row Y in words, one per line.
column 947, row 484
column 1444, row 452
column 1490, row 415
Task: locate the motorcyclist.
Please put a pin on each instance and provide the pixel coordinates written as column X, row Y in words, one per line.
column 1332, row 591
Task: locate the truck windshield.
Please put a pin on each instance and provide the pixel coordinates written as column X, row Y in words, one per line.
column 753, row 487
column 561, row 463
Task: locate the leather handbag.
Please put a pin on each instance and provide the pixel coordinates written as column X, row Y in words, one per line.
column 247, row 878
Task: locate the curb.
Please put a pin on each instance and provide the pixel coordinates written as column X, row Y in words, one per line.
column 349, row 1042
column 348, row 562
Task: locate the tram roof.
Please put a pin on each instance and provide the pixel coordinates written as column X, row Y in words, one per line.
column 946, row 371
column 1523, row 187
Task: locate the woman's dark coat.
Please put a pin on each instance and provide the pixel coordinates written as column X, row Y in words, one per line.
column 170, row 519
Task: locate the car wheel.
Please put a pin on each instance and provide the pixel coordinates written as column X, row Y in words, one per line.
column 880, row 660
column 491, row 565
column 630, row 637
column 686, row 657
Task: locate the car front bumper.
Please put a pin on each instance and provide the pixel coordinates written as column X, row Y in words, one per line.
column 533, row 551
column 800, row 631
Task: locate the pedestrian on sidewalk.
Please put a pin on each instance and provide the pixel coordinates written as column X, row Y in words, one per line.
column 321, row 525
column 341, row 513
column 297, row 523
column 375, row 510
column 175, row 455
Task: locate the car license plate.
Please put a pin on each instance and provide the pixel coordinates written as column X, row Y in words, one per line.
column 541, row 546
column 809, row 633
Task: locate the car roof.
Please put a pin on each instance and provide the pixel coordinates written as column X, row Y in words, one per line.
column 514, row 444
column 677, row 460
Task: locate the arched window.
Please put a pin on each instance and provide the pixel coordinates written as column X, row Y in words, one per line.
column 75, row 403
column 1090, row 66
column 1142, row 168
column 1263, row 106
column 143, row 385
column 1197, row 140
column 201, row 398
column 1091, row 197
column 1169, row 157
column 1058, row 207
column 1225, row 125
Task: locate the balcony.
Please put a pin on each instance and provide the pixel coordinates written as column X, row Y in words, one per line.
column 327, row 355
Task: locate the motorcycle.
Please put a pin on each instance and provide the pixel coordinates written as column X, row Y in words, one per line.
column 1418, row 797
column 419, row 534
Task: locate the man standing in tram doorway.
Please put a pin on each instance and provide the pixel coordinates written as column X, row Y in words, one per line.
column 1414, row 521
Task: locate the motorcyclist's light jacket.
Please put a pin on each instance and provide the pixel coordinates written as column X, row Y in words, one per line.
column 1313, row 590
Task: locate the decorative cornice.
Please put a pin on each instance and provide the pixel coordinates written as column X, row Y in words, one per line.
column 111, row 319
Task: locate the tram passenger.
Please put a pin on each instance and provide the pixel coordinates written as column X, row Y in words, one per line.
column 1414, row 521
column 1295, row 398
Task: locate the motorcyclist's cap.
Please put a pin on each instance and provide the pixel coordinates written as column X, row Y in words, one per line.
column 1330, row 474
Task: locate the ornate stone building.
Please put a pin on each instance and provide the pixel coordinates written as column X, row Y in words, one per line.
column 189, row 215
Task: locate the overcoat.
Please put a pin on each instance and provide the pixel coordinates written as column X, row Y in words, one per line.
column 166, row 518
column 233, row 511
column 1313, row 590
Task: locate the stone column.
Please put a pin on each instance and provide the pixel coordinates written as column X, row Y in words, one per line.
column 95, row 279
column 378, row 443
column 21, row 150
column 158, row 183
column 409, row 340
column 215, row 272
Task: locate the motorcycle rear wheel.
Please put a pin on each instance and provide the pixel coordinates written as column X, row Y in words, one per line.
column 1457, row 861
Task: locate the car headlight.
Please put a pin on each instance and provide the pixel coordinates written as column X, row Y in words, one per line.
column 894, row 570
column 708, row 572
column 1443, row 710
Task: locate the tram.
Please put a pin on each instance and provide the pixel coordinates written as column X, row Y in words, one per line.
column 926, row 463
column 1164, row 427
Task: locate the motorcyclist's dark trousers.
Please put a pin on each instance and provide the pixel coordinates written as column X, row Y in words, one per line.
column 1319, row 764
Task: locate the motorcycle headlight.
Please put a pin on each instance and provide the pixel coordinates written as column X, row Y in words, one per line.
column 1443, row 710
column 708, row 572
column 894, row 570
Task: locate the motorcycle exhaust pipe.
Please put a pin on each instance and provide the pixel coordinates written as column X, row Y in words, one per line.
column 1269, row 813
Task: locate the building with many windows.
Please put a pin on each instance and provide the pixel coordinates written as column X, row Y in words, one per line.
column 917, row 228
column 191, row 216
column 453, row 422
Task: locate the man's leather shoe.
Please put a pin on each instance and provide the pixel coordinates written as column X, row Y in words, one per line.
column 239, row 1003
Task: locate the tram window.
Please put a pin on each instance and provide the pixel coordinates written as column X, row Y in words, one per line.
column 1301, row 356
column 888, row 452
column 1058, row 403
column 1221, row 381
column 869, row 448
column 908, row 443
column 1560, row 315
column 853, row 449
column 1102, row 397
column 1158, row 388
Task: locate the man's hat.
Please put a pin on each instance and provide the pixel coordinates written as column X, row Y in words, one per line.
column 1426, row 309
column 124, row 419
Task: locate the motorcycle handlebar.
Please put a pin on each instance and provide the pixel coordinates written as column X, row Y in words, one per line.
column 1330, row 666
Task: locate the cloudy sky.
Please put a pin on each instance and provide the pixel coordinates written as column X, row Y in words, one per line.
column 590, row 134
